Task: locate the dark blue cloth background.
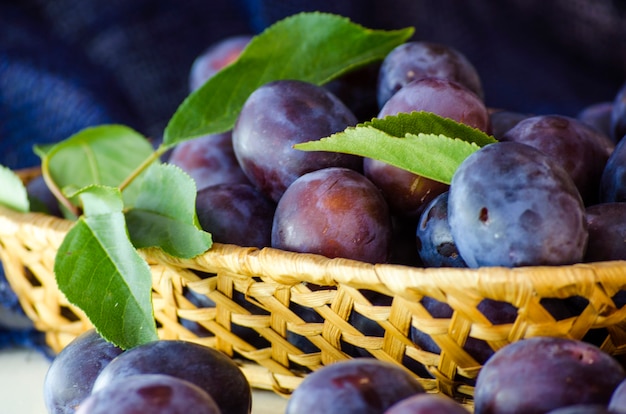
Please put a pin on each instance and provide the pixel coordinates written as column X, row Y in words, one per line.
column 68, row 64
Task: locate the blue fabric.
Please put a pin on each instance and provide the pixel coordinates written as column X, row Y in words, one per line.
column 68, row 64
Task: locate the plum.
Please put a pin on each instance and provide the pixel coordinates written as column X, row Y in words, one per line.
column 236, row 213
column 581, row 150
column 74, row 370
column 408, row 193
column 274, row 118
column 617, row 402
column 360, row 385
column 618, row 115
column 511, row 204
column 613, row 179
column 598, row 115
column 502, row 120
column 209, row 160
column 426, row 404
column 215, row 58
column 540, row 374
column 150, row 393
column 335, row 212
column 433, row 237
column 211, row 370
column 418, row 59
column 582, row 409
column 606, row 224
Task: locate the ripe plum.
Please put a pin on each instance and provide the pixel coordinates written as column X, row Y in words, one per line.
column 443, row 97
column 408, row 193
column 513, row 205
column 583, row 409
column 613, row 179
column 74, row 370
column 502, row 120
column 598, row 116
column 150, row 393
column 360, row 385
column 606, row 224
column 618, row 115
column 205, row 367
column 581, row 150
column 277, row 116
column 427, row 404
column 418, row 59
column 335, row 212
column 433, row 237
column 555, row 371
column 236, row 213
column 617, row 402
column 209, row 160
column 216, row 57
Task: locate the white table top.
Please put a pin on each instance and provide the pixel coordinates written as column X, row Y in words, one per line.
column 21, row 385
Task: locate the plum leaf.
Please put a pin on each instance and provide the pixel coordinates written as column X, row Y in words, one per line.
column 104, row 154
column 168, row 222
column 313, row 47
column 428, row 123
column 420, row 142
column 12, row 191
column 99, row 271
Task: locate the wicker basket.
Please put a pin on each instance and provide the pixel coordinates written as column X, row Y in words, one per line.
column 241, row 280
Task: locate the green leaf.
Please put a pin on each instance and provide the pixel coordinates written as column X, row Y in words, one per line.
column 12, row 191
column 99, row 270
column 164, row 214
column 313, row 47
column 105, row 154
column 421, row 142
column 428, row 123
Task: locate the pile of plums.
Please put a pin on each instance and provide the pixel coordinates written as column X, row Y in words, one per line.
column 550, row 191
column 535, row 375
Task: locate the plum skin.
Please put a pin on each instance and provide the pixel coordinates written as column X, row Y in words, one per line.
column 74, row 370
column 359, row 385
column 215, row 58
column 581, row 150
column 164, row 394
column 408, row 193
column 274, row 118
column 512, row 205
column 555, row 371
column 206, row 367
column 427, row 404
column 418, row 59
column 236, row 213
column 335, row 212
column 607, row 232
column 209, row 160
column 433, row 237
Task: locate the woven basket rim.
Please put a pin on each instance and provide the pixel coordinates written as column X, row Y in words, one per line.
column 289, row 268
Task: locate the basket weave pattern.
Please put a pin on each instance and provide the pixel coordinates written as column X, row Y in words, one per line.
column 274, row 281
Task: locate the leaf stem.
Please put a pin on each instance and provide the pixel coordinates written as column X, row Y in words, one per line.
column 55, row 190
column 143, row 166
